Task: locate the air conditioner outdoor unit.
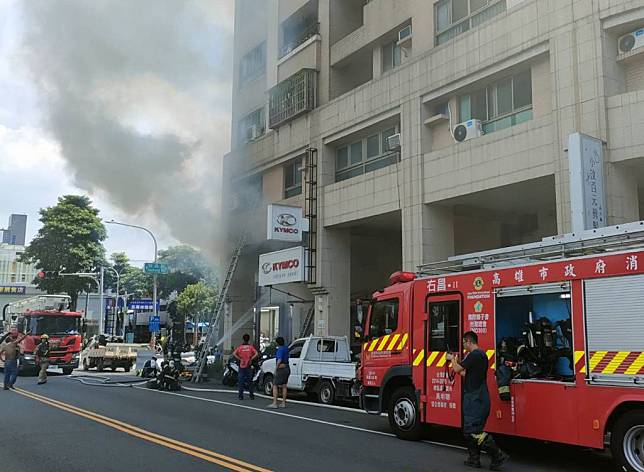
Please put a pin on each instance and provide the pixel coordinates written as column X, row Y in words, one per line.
column 404, row 34
column 468, row 130
column 393, row 142
column 631, row 41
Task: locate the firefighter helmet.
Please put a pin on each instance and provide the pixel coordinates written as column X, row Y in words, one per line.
column 44, row 336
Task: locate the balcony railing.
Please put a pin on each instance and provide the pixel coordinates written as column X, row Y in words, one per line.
column 292, row 97
column 301, row 37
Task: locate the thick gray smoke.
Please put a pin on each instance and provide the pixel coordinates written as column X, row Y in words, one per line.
column 137, row 94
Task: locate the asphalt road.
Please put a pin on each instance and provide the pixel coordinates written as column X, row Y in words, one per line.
column 67, row 426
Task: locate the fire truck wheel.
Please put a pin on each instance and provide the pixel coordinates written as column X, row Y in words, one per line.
column 627, row 441
column 326, row 393
column 404, row 417
column 68, row 370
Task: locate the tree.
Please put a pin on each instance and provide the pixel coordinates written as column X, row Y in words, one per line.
column 70, row 240
column 133, row 279
column 187, row 266
column 196, row 302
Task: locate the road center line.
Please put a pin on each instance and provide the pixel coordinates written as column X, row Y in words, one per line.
column 204, row 454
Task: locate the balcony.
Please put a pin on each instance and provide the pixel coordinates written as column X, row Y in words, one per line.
column 298, row 37
column 292, row 97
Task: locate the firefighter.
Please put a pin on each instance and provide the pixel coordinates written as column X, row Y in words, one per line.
column 42, row 358
column 476, row 403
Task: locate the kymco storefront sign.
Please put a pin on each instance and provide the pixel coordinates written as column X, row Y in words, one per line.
column 282, row 267
column 284, row 223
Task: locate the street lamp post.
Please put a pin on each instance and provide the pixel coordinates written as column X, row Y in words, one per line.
column 154, row 278
column 116, row 300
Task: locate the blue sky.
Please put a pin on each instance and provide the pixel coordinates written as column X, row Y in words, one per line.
column 119, row 103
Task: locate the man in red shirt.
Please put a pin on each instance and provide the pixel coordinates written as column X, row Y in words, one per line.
column 245, row 354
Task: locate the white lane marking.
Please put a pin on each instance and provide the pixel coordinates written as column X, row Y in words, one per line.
column 297, row 417
column 297, row 402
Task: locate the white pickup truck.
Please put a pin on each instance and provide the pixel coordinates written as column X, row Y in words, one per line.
column 320, row 366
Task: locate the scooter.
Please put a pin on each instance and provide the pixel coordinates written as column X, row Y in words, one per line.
column 231, row 372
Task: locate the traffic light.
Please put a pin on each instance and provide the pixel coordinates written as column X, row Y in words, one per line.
column 47, row 274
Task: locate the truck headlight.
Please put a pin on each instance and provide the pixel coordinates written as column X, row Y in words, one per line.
column 76, row 355
column 29, row 357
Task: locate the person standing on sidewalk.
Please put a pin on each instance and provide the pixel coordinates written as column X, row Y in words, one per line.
column 42, row 358
column 282, row 372
column 476, row 403
column 9, row 352
column 245, row 354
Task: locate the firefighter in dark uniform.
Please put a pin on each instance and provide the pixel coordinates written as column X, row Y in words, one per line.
column 42, row 358
column 476, row 403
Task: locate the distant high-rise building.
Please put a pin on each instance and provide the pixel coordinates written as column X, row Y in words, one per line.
column 16, row 230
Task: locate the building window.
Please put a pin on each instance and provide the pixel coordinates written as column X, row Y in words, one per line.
column 390, row 56
column 253, row 64
column 252, row 126
column 365, row 155
column 23, row 278
column 454, row 17
column 292, row 97
column 502, row 104
column 293, row 178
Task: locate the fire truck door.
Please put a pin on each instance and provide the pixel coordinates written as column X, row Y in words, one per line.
column 442, row 387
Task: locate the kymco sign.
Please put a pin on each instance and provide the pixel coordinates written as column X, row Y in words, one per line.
column 284, row 223
column 282, row 267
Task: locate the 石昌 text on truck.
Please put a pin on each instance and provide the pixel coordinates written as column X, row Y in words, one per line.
column 560, row 322
column 46, row 314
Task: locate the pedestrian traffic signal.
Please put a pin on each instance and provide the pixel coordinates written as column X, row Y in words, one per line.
column 47, row 274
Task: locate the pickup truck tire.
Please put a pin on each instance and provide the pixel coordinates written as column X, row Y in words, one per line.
column 326, row 393
column 99, row 365
column 267, row 385
column 68, row 370
column 404, row 416
column 627, row 441
column 127, row 368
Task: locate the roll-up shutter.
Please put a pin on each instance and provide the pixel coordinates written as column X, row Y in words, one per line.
column 615, row 313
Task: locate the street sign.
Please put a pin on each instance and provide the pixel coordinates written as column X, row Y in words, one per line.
column 154, row 325
column 155, row 268
column 142, row 304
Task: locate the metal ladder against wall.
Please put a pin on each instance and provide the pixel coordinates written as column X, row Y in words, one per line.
column 212, row 338
column 308, row 321
column 595, row 241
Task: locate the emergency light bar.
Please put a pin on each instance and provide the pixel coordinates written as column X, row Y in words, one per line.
column 401, row 277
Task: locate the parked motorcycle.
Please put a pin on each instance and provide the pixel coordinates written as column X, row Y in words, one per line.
column 231, row 372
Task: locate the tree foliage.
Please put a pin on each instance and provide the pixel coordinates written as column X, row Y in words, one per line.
column 196, row 301
column 187, row 266
column 70, row 240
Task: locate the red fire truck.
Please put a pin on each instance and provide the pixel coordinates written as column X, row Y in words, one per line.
column 561, row 321
column 46, row 314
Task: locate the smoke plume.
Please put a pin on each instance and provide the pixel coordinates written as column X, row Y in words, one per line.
column 137, row 95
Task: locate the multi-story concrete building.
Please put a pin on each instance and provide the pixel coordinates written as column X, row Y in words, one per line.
column 16, row 230
column 343, row 76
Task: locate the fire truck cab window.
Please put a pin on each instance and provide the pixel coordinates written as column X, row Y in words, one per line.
column 534, row 336
column 384, row 318
column 443, row 319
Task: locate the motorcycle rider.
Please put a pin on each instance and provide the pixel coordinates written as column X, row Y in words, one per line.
column 42, row 358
